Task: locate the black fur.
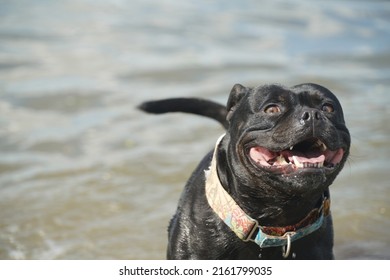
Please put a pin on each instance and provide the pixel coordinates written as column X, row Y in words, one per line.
column 196, row 106
column 274, row 198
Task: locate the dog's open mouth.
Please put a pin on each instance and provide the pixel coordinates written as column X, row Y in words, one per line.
column 311, row 153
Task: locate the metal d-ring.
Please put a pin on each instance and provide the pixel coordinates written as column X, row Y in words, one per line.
column 287, row 248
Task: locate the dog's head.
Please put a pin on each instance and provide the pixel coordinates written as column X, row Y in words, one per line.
column 292, row 139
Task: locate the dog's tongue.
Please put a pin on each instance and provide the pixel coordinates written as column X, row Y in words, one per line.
column 307, row 157
column 263, row 156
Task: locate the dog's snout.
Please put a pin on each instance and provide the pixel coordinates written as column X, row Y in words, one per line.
column 310, row 115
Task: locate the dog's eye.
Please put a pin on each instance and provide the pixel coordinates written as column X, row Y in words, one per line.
column 328, row 108
column 272, row 109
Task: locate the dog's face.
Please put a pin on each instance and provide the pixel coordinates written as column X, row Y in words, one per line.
column 292, row 139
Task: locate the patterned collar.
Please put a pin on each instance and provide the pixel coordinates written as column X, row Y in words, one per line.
column 247, row 228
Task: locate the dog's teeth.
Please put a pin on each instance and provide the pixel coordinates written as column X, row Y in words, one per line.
column 281, row 160
column 292, row 147
column 297, row 163
column 320, row 145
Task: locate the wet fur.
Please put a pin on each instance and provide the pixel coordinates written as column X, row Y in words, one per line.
column 196, row 232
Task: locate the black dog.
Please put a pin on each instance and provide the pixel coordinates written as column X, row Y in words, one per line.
column 264, row 190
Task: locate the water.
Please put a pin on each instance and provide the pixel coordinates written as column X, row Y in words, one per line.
column 84, row 175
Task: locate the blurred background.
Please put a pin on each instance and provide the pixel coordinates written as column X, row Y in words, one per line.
column 84, row 175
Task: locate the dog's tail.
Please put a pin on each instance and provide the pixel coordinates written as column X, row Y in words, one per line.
column 195, row 106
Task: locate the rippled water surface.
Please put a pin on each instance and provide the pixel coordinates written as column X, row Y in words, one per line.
column 84, row 175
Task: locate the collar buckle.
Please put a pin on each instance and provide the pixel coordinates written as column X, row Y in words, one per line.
column 253, row 232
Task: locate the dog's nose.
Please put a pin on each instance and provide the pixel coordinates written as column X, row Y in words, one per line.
column 310, row 115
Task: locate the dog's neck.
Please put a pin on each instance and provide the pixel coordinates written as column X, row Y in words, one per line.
column 246, row 227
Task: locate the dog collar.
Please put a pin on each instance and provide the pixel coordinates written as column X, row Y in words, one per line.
column 247, row 228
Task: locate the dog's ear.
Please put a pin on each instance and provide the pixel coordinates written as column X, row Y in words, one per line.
column 236, row 94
